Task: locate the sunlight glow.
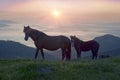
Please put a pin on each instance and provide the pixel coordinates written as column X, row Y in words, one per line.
column 56, row 13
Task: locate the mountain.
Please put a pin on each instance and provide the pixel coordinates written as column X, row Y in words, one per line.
column 11, row 49
column 109, row 44
column 115, row 52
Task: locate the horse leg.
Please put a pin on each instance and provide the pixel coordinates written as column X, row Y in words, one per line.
column 94, row 54
column 78, row 53
column 63, row 54
column 36, row 54
column 67, row 55
column 42, row 53
column 68, row 52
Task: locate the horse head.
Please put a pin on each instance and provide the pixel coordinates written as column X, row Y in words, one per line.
column 26, row 31
column 75, row 40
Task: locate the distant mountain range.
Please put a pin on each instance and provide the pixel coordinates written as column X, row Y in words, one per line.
column 12, row 49
column 109, row 45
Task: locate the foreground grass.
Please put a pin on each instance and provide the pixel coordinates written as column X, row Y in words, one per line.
column 106, row 69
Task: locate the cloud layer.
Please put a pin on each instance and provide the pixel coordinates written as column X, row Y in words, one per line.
column 6, row 23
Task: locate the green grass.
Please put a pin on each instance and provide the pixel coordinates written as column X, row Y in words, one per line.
column 106, row 69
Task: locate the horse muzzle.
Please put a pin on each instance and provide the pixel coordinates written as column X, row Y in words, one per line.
column 25, row 39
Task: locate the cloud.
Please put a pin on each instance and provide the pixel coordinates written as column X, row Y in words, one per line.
column 6, row 23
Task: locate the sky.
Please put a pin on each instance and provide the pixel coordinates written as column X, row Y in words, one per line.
column 86, row 19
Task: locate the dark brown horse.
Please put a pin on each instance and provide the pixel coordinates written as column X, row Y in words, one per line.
column 42, row 40
column 85, row 46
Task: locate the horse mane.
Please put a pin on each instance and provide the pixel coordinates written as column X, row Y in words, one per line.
column 35, row 34
column 78, row 39
column 37, row 31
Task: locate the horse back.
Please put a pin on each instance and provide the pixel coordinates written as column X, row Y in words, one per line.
column 55, row 42
column 88, row 45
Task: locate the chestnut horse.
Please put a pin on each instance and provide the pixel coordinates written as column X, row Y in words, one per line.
column 43, row 41
column 85, row 46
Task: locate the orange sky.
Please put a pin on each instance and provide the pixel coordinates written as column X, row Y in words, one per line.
column 79, row 10
column 84, row 18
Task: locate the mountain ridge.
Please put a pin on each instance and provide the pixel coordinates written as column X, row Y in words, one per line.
column 109, row 44
column 12, row 49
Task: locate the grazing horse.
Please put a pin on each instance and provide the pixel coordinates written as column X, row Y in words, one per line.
column 43, row 41
column 85, row 46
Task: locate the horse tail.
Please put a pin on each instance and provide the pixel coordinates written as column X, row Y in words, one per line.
column 68, row 52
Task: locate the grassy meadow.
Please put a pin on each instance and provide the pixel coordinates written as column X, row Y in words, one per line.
column 22, row 69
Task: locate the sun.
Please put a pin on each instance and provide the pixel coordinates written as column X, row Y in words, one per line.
column 56, row 13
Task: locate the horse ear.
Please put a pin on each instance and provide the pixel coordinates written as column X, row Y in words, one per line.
column 71, row 36
column 28, row 26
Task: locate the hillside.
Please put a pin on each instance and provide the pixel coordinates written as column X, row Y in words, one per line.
column 109, row 44
column 12, row 49
column 114, row 53
column 20, row 69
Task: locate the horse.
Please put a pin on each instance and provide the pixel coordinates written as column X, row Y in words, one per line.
column 44, row 41
column 80, row 46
